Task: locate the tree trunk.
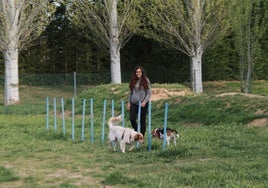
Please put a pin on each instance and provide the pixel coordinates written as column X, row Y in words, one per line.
column 248, row 79
column 115, row 66
column 249, row 69
column 196, row 72
column 11, row 76
column 249, row 57
column 114, row 46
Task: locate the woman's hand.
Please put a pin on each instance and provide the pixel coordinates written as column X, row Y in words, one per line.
column 143, row 104
column 128, row 106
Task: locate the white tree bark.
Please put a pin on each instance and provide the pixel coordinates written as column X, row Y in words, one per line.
column 114, row 45
column 197, row 46
column 115, row 66
column 11, row 75
column 21, row 22
column 196, row 72
column 11, row 53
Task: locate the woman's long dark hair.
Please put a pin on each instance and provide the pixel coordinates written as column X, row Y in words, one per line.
column 144, row 82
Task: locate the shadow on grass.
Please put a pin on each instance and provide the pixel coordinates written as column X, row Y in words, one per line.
column 173, row 153
column 116, row 178
column 7, row 175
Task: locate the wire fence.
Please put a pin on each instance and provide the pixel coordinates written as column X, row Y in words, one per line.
column 165, row 76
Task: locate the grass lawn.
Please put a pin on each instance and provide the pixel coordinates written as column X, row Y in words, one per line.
column 223, row 140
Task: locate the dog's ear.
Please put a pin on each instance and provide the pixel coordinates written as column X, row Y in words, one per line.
column 169, row 133
column 138, row 136
column 153, row 133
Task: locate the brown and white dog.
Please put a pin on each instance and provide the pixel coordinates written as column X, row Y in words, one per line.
column 170, row 134
column 122, row 135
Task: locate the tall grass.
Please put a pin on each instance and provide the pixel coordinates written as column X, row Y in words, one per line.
column 216, row 148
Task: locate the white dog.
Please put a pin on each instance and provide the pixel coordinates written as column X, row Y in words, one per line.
column 122, row 135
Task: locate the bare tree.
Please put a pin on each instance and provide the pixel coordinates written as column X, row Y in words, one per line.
column 249, row 24
column 189, row 26
column 21, row 22
column 109, row 23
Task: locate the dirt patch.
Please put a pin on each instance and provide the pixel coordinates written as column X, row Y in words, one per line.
column 258, row 122
column 192, row 124
column 157, row 94
column 244, row 94
column 34, row 169
column 162, row 93
column 260, row 111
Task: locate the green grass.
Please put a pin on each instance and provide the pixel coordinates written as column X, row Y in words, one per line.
column 216, row 148
column 6, row 175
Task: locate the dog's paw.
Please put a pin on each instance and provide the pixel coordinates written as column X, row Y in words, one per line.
column 131, row 148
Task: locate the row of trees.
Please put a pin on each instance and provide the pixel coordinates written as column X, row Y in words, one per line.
column 93, row 28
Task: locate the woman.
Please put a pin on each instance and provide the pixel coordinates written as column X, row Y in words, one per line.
column 140, row 90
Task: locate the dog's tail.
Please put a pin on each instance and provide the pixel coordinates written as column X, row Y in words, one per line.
column 112, row 120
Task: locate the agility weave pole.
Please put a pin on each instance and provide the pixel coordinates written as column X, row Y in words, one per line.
column 149, row 125
column 165, row 127
column 103, row 119
column 73, row 118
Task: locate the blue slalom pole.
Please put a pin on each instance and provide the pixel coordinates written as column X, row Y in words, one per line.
column 139, row 118
column 83, row 120
column 103, row 121
column 165, row 126
column 55, row 114
column 63, row 120
column 91, row 122
column 149, row 124
column 74, row 83
column 72, row 118
column 139, row 121
column 123, row 113
column 112, row 108
column 47, row 118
